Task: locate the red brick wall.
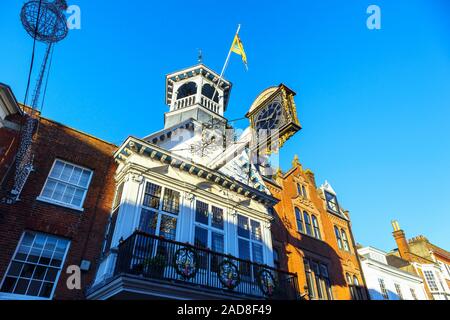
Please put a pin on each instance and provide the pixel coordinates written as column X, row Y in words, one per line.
column 8, row 145
column 295, row 246
column 84, row 229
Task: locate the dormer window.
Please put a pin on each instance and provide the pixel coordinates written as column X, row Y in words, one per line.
column 332, row 203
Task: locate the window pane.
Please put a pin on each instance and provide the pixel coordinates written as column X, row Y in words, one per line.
column 57, row 169
column 148, row 221
column 171, row 201
column 243, row 228
column 304, row 192
column 345, row 240
column 152, row 195
column 298, row 217
column 34, row 288
column 46, row 290
column 201, row 212
column 15, row 269
column 258, row 256
column 244, row 249
column 76, row 175
column 331, row 202
column 307, row 223
column 78, row 197
column 27, row 270
column 168, row 227
column 201, row 237
column 84, row 180
column 338, row 237
column 68, row 194
column 316, row 227
column 57, row 259
column 299, row 189
column 22, row 286
column 118, row 195
column 51, row 274
column 8, row 284
column 217, row 242
column 256, row 230
column 39, row 273
column 59, row 191
column 34, row 255
column 217, row 218
column 46, row 257
column 67, row 172
column 49, row 189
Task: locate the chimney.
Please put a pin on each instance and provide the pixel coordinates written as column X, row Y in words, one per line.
column 402, row 244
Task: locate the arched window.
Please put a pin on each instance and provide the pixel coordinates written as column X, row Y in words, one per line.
column 186, row 90
column 308, row 226
column 208, row 91
column 345, row 240
column 338, row 237
column 315, row 223
column 298, row 217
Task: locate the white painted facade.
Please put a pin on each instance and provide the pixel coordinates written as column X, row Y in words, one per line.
column 186, row 157
column 385, row 282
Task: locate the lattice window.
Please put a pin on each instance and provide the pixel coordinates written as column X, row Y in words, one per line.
column 36, row 265
column 384, row 292
column 431, row 280
column 67, row 184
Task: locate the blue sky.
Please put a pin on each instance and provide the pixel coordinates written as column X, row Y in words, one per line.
column 374, row 105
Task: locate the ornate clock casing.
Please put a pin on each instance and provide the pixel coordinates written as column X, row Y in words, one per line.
column 273, row 115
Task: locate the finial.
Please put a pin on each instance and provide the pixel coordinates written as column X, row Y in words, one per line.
column 200, row 56
column 296, row 161
column 395, row 225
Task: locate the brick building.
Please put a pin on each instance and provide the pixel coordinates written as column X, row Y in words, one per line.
column 62, row 211
column 418, row 255
column 312, row 236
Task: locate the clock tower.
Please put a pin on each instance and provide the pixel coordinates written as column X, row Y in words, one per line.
column 196, row 93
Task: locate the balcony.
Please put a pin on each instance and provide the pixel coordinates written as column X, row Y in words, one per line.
column 179, row 268
column 192, row 100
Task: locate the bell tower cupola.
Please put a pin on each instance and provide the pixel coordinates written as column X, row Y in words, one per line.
column 196, row 93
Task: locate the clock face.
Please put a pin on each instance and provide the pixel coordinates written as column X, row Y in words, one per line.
column 269, row 117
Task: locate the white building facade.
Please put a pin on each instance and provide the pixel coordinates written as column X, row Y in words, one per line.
column 386, row 282
column 186, row 224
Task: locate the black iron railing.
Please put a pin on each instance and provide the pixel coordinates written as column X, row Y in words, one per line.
column 158, row 258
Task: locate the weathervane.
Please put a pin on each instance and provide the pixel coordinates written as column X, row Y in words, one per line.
column 200, row 56
column 45, row 22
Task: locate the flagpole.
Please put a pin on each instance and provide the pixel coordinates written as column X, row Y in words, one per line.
column 226, row 63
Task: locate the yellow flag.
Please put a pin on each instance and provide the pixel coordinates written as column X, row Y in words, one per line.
column 238, row 48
